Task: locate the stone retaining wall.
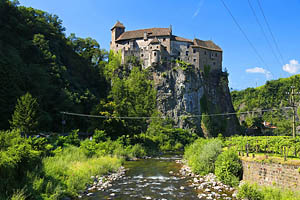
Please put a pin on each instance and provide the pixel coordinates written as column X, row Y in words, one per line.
column 272, row 174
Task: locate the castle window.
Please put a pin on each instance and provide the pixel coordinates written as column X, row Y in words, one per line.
column 216, row 54
column 142, row 55
column 154, row 53
column 186, row 53
column 194, row 50
column 195, row 60
column 117, row 45
column 204, row 52
column 188, row 46
column 150, row 47
column 164, row 39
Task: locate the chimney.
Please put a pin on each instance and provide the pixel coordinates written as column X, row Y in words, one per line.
column 170, row 28
column 145, row 36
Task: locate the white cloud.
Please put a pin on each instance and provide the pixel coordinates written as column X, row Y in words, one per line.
column 293, row 67
column 198, row 8
column 260, row 70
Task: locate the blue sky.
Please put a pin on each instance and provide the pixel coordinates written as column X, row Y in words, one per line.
column 203, row 19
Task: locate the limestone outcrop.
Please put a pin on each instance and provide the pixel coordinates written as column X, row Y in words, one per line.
column 195, row 99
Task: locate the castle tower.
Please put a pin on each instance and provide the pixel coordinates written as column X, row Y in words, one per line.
column 116, row 31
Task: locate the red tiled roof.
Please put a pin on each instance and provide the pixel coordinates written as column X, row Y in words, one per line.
column 181, row 39
column 206, row 44
column 151, row 32
column 118, row 24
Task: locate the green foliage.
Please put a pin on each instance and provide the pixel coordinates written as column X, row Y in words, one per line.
column 165, row 137
column 184, row 65
column 269, row 96
column 99, row 136
column 211, row 125
column 64, row 73
column 70, row 170
column 25, row 116
column 228, row 168
column 265, row 144
column 251, row 192
column 16, row 157
column 202, row 154
column 19, row 195
column 132, row 94
column 255, row 192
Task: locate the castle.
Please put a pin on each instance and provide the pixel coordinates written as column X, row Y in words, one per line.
column 155, row 45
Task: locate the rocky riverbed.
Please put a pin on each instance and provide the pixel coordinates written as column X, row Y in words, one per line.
column 101, row 183
column 159, row 178
column 207, row 186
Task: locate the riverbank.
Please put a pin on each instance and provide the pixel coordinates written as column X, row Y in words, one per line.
column 207, row 187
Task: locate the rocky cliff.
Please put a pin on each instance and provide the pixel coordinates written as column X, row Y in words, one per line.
column 194, row 98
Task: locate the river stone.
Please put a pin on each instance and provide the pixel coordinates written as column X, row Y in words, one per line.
column 207, row 190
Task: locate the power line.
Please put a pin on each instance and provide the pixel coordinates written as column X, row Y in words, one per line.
column 269, row 28
column 262, row 30
column 162, row 117
column 245, row 35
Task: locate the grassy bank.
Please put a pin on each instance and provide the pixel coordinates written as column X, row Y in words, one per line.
column 208, row 156
column 70, row 170
column 255, row 192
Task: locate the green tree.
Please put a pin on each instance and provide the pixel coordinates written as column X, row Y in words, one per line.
column 26, row 117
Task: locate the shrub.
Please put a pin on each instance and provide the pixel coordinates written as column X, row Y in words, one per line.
column 137, row 151
column 16, row 157
column 202, row 154
column 99, row 136
column 25, row 116
column 251, row 192
column 228, row 168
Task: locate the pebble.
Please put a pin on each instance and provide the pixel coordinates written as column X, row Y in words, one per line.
column 208, row 185
column 103, row 182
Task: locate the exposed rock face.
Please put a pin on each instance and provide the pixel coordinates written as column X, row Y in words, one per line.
column 185, row 94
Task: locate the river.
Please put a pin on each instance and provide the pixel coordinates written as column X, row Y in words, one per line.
column 150, row 179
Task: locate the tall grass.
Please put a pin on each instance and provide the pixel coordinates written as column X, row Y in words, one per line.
column 202, row 154
column 71, row 169
column 19, row 195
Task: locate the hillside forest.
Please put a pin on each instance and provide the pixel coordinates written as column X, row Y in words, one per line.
column 50, row 86
column 272, row 103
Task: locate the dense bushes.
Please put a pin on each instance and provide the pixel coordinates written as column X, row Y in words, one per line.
column 16, row 157
column 254, row 192
column 202, row 154
column 110, row 147
column 228, row 168
column 162, row 135
column 52, row 168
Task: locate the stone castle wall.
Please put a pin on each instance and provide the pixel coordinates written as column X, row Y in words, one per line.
column 272, row 174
